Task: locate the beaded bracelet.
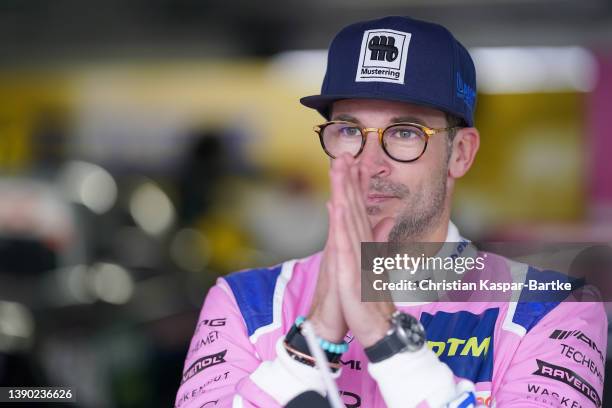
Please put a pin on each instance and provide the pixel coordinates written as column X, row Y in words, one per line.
column 335, row 348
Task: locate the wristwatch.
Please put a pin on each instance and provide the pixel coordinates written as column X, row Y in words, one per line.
column 405, row 335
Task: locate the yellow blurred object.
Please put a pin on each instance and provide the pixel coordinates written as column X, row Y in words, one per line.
column 531, row 163
column 23, row 98
column 226, row 243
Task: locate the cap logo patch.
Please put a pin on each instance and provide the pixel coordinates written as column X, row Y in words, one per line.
column 383, row 56
column 465, row 92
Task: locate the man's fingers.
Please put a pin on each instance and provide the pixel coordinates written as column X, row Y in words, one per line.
column 345, row 247
column 348, row 264
column 338, row 195
column 349, row 224
column 358, row 226
column 354, row 199
column 344, row 194
column 341, row 236
column 330, row 254
column 330, row 227
column 357, row 204
column 360, row 204
column 355, row 224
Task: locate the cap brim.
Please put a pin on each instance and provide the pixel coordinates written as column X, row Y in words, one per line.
column 322, row 103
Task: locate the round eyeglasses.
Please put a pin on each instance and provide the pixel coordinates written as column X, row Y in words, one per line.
column 402, row 142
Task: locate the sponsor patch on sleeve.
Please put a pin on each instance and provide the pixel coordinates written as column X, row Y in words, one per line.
column 569, row 377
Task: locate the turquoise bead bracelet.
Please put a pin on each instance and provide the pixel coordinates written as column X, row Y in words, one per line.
column 336, row 348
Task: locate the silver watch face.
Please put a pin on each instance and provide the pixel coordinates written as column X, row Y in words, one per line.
column 409, row 330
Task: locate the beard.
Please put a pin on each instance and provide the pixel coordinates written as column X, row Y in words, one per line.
column 421, row 209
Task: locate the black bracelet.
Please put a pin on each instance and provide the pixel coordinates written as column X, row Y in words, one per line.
column 307, row 359
column 296, row 340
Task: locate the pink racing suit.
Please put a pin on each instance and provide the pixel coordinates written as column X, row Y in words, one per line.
column 515, row 353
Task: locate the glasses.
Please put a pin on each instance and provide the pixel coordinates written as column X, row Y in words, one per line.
column 402, row 142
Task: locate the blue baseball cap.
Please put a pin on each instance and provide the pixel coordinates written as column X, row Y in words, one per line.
column 399, row 59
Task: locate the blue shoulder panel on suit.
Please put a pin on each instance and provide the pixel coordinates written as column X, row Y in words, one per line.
column 254, row 293
column 534, row 305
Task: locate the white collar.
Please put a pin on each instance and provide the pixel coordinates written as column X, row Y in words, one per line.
column 452, row 235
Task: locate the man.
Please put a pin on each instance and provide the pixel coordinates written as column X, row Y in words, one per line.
column 399, row 96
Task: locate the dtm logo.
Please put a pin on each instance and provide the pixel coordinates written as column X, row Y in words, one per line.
column 461, row 347
column 383, row 48
column 382, row 57
column 464, row 341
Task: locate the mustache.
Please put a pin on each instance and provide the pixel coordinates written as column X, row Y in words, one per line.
column 387, row 187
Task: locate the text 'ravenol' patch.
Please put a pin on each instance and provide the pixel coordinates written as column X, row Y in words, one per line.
column 383, row 56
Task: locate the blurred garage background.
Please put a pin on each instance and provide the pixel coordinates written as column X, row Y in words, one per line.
column 147, row 147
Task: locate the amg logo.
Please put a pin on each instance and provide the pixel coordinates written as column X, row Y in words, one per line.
column 383, row 48
column 564, row 334
column 217, row 322
column 469, row 347
column 202, row 364
column 561, row 334
column 214, row 322
column 567, row 376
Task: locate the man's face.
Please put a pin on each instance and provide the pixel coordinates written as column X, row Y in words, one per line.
column 413, row 194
